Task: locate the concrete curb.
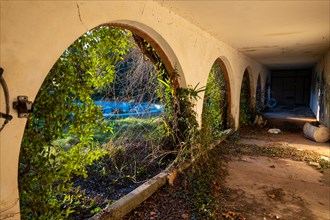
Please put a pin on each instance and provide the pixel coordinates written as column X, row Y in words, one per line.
column 121, row 207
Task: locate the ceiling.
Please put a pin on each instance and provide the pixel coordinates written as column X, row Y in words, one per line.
column 281, row 34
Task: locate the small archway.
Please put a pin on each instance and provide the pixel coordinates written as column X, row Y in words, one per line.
column 259, row 104
column 266, row 91
column 246, row 109
column 216, row 115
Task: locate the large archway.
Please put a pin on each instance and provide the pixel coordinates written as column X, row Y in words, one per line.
column 62, row 141
column 216, row 115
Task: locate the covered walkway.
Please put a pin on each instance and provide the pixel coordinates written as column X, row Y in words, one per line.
column 252, row 38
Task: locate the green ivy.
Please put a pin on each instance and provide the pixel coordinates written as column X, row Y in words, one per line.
column 215, row 108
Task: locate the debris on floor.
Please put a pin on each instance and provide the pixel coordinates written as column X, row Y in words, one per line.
column 232, row 216
column 260, row 121
column 274, row 131
column 315, row 164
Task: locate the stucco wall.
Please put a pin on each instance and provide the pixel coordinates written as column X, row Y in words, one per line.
column 322, row 67
column 35, row 33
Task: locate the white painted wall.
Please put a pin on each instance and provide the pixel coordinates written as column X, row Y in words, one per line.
column 34, row 34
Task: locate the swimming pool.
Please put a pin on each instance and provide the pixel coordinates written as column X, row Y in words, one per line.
column 114, row 110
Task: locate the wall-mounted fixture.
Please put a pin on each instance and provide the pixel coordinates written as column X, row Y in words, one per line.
column 23, row 106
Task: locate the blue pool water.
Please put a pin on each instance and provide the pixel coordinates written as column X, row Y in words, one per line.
column 115, row 110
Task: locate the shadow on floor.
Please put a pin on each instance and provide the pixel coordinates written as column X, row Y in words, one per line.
column 289, row 118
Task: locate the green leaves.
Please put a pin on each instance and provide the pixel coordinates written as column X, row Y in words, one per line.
column 64, row 108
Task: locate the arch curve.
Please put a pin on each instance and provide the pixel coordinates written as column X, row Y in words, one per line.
column 160, row 45
column 216, row 114
column 252, row 83
column 227, row 70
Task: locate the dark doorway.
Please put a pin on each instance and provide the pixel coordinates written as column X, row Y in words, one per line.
column 291, row 87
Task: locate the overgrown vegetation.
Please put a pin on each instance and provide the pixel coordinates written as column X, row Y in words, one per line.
column 215, row 108
column 204, row 185
column 73, row 162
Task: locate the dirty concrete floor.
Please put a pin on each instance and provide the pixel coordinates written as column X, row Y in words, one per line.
column 270, row 188
column 291, row 120
column 275, row 188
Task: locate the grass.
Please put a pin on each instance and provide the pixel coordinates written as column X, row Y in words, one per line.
column 133, row 128
column 135, row 153
column 129, row 128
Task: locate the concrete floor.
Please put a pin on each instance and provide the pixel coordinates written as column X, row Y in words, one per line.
column 277, row 188
column 291, row 120
column 294, row 112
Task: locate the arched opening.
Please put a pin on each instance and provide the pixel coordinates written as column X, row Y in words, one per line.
column 246, row 110
column 259, row 104
column 103, row 123
column 267, row 91
column 216, row 115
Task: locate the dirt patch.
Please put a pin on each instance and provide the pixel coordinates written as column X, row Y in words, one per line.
column 263, row 188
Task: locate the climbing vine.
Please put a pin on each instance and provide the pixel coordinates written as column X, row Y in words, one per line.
column 215, row 108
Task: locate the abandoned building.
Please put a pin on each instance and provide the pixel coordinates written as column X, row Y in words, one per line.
column 284, row 44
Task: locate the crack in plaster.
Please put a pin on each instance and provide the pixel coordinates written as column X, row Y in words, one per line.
column 79, row 15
